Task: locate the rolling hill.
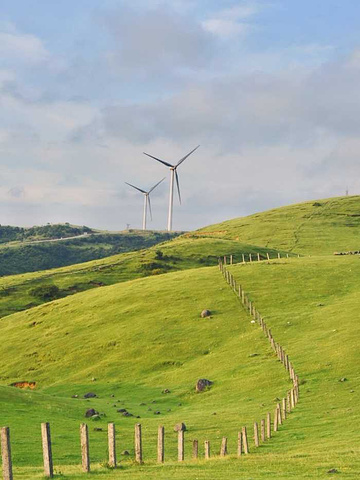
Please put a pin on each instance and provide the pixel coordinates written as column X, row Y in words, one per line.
column 312, row 228
column 141, row 334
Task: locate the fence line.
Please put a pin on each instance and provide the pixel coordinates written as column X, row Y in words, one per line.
column 282, row 409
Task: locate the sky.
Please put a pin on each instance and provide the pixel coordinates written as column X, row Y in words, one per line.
column 269, row 89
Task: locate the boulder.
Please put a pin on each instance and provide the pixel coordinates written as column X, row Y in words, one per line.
column 91, row 412
column 95, row 418
column 125, row 453
column 205, row 313
column 90, row 395
column 166, row 391
column 180, row 427
column 203, row 384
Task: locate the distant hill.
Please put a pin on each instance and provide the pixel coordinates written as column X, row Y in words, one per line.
column 41, row 248
column 42, row 232
column 316, row 227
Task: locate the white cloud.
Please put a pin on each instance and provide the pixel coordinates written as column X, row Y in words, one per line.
column 230, row 22
column 15, row 45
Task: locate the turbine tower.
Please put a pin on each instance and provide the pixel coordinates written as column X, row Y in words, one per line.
column 147, row 202
column 173, row 177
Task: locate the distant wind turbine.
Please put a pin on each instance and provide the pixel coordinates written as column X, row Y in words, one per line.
column 173, row 176
column 147, row 201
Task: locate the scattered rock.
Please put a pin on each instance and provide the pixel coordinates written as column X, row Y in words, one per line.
column 95, row 418
column 97, row 429
column 138, row 416
column 125, row 453
column 180, row 427
column 179, row 404
column 214, row 413
column 344, row 379
column 127, row 414
column 205, row 314
column 75, row 396
column 253, row 355
column 320, row 305
column 169, row 409
column 157, row 413
column 93, row 379
column 154, row 401
column 90, row 395
column 333, row 470
column 203, row 384
column 122, row 410
column 112, row 396
column 142, row 404
column 352, row 391
column 166, row 391
column 90, row 412
column 252, row 321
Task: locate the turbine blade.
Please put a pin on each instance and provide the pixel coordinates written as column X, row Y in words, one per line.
column 186, row 156
column 158, row 159
column 136, row 188
column 153, row 188
column 178, row 185
column 149, row 201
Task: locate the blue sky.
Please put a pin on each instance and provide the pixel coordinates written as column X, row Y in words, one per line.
column 268, row 88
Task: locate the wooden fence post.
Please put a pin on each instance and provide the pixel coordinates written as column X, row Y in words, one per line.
column 268, row 256
column 278, row 408
column 243, row 258
column 240, row 444
column 276, row 418
column 161, row 444
column 268, row 425
column 84, row 440
column 245, row 441
column 279, row 256
column 112, row 445
column 207, row 449
column 181, row 445
column 138, row 444
column 195, row 449
column 284, row 408
column 223, row 449
column 256, row 434
column 6, row 454
column 225, row 259
column 263, row 438
column 292, row 398
column 258, row 255
column 47, row 452
column 231, row 259
column 250, row 257
column 288, row 403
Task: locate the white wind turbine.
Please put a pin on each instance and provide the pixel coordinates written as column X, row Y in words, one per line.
column 147, row 201
column 173, row 176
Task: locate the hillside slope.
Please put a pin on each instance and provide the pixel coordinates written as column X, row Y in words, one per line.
column 140, row 337
column 21, row 292
column 45, row 252
column 317, row 227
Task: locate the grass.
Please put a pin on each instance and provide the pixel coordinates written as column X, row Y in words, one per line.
column 312, row 228
column 180, row 254
column 161, row 340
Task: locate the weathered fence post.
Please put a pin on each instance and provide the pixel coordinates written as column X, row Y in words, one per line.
column 268, row 256
column 256, row 434
column 243, row 258
column 84, row 440
column 288, row 403
column 245, row 441
column 225, row 259
column 231, row 259
column 263, row 430
column 278, row 408
column 207, row 449
column 258, row 255
column 292, row 398
column 138, row 444
column 284, row 408
column 279, row 256
column 250, row 257
column 6, row 454
column 268, row 425
column 195, row 448
column 240, row 444
column 223, row 449
column 112, row 445
column 276, row 418
column 47, row 452
column 181, row 445
column 161, row 445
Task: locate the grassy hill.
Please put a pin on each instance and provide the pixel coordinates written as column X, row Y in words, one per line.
column 317, row 227
column 21, row 292
column 50, row 248
column 140, row 337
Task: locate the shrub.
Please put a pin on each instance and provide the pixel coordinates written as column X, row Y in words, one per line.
column 46, row 292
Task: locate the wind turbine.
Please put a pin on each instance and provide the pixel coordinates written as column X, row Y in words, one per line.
column 147, row 201
column 173, row 176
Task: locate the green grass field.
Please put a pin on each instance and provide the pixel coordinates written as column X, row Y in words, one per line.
column 129, row 341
